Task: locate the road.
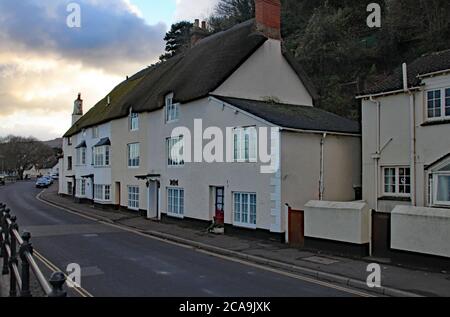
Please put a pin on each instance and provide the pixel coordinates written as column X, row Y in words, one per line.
column 120, row 263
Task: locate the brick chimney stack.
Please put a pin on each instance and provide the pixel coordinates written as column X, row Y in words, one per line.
column 268, row 18
column 199, row 32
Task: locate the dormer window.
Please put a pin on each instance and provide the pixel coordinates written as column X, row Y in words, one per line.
column 134, row 121
column 172, row 109
column 438, row 103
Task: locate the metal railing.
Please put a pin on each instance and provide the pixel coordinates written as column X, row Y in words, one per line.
column 10, row 240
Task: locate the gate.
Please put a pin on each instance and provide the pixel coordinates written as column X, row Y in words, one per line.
column 381, row 234
column 296, row 227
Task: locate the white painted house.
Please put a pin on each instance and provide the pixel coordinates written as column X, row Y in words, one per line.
column 406, row 153
column 125, row 151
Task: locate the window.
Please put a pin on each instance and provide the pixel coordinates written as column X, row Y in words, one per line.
column 95, row 133
column 133, row 155
column 83, row 188
column 175, row 201
column 175, row 151
column 81, row 156
column 133, row 197
column 69, row 141
column 245, row 144
column 69, row 163
column 245, row 209
column 102, row 192
column 172, row 110
column 134, row 121
column 447, row 102
column 440, row 185
column 397, row 181
column 101, row 156
column 438, row 103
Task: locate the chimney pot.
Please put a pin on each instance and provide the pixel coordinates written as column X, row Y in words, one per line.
column 197, row 23
column 204, row 25
column 268, row 18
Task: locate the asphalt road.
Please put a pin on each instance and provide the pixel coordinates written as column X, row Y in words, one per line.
column 120, row 263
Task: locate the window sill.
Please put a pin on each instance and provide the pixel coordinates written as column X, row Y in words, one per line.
column 395, row 198
column 436, row 122
column 175, row 215
column 133, row 209
column 245, row 226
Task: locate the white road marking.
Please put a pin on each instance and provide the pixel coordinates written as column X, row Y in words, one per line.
column 273, row 270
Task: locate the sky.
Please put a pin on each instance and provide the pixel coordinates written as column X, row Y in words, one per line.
column 44, row 63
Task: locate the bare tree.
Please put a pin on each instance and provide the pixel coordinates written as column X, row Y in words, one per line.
column 20, row 154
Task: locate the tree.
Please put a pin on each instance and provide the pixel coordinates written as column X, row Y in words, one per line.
column 178, row 39
column 231, row 12
column 20, row 154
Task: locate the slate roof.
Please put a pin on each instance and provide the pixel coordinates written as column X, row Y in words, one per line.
column 295, row 116
column 103, row 142
column 190, row 76
column 425, row 64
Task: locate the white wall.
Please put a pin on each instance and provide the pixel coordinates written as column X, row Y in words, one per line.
column 432, row 141
column 266, row 74
column 338, row 221
column 421, row 230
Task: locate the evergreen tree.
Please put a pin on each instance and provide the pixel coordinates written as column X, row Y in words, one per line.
column 178, row 39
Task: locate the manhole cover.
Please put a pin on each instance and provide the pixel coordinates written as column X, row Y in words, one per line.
column 320, row 260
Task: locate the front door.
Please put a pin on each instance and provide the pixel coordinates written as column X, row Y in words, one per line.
column 117, row 195
column 220, row 205
column 154, row 195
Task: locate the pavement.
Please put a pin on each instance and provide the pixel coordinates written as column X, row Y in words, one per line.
column 396, row 281
column 123, row 255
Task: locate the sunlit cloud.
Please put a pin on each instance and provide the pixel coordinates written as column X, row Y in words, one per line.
column 44, row 64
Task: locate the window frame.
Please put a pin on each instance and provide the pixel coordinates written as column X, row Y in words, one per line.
column 102, row 189
column 170, row 142
column 103, row 152
column 443, row 103
column 172, row 110
column 136, row 195
column 434, row 176
column 242, row 147
column 81, row 156
column 252, row 219
column 179, row 194
column 134, row 121
column 397, row 184
column 136, row 161
column 95, row 132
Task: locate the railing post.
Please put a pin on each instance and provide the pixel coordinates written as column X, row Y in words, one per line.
column 57, row 281
column 6, row 216
column 25, row 248
column 2, row 210
column 13, row 259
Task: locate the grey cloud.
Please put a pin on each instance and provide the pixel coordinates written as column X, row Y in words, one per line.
column 110, row 37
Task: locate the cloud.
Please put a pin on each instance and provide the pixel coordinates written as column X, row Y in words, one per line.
column 113, row 35
column 194, row 9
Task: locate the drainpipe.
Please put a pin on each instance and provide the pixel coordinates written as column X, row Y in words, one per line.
column 412, row 134
column 322, row 167
column 377, row 154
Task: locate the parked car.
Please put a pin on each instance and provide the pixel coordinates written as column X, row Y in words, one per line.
column 49, row 178
column 43, row 183
column 55, row 176
column 2, row 180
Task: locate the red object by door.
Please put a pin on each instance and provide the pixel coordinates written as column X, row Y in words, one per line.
column 220, row 210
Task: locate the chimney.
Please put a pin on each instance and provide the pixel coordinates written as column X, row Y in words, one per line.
column 77, row 109
column 268, row 18
column 198, row 32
